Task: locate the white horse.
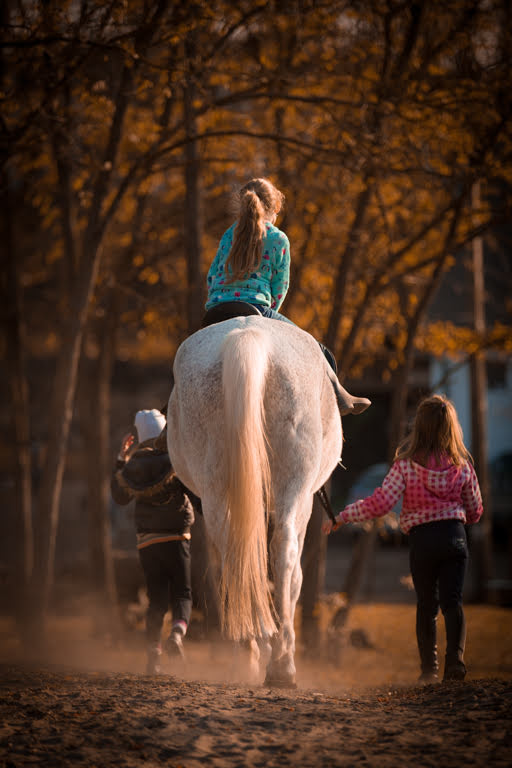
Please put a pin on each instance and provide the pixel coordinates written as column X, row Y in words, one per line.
column 254, row 429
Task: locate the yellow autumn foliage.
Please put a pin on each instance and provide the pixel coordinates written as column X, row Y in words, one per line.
column 372, row 140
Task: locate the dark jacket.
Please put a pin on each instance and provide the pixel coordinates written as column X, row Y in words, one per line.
column 171, row 512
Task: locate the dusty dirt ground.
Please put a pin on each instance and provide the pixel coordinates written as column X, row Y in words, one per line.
column 87, row 704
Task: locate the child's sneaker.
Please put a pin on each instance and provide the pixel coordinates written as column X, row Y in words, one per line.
column 153, row 664
column 174, row 646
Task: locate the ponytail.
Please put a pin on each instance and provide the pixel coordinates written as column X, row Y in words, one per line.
column 245, row 253
column 258, row 201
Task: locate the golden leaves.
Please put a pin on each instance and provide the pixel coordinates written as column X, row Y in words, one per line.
column 319, row 117
column 149, row 275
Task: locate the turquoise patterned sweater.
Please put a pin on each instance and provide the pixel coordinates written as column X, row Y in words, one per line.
column 267, row 285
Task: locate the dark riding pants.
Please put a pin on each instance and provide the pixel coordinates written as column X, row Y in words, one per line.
column 166, row 568
column 438, row 558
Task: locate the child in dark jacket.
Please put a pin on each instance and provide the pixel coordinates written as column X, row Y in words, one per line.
column 434, row 475
column 163, row 522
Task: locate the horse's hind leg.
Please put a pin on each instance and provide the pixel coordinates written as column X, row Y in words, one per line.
column 286, row 548
column 256, row 648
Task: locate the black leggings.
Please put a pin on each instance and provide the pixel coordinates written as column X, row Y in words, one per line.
column 438, row 558
column 166, row 567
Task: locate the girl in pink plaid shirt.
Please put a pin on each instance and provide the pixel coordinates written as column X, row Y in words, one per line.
column 433, row 473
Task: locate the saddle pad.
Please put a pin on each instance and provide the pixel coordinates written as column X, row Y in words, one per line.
column 228, row 309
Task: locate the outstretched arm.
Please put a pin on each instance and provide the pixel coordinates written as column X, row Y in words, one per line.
column 382, row 501
column 120, row 494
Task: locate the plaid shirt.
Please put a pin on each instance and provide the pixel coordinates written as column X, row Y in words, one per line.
column 447, row 493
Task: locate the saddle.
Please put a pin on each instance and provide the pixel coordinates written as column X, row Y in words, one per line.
column 226, row 310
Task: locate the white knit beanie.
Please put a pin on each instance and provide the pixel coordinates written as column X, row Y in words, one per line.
column 149, row 424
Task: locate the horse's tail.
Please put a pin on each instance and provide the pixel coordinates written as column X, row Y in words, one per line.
column 246, row 605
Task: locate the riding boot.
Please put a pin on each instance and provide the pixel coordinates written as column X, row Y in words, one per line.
column 329, row 357
column 347, row 403
column 454, row 668
column 429, row 663
column 426, row 627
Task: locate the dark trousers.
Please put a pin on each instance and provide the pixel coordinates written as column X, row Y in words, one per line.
column 166, row 568
column 438, row 558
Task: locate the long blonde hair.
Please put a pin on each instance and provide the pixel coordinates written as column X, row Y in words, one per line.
column 257, row 201
column 436, row 432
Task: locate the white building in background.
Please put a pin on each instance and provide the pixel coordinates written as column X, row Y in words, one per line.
column 457, row 386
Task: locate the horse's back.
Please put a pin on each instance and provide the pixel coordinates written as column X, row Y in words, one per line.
column 296, row 362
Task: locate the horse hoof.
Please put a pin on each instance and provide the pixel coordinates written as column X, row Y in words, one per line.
column 275, row 682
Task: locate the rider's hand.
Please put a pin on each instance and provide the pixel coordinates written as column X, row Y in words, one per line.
column 328, row 527
column 126, row 443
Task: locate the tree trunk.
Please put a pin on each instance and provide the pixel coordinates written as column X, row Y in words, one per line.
column 364, row 550
column 60, row 422
column 99, row 466
column 16, row 366
column 482, row 535
column 401, row 388
column 192, row 219
column 67, row 370
column 338, row 301
column 337, row 631
column 15, row 352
